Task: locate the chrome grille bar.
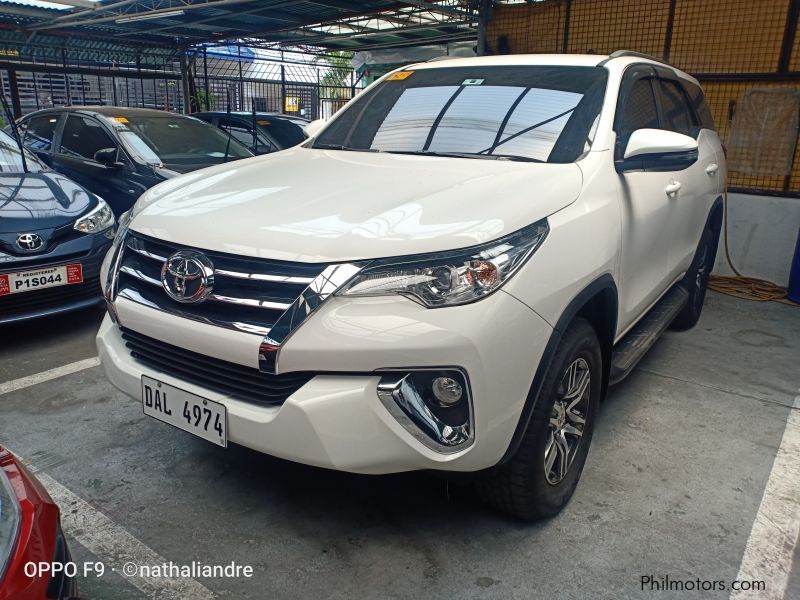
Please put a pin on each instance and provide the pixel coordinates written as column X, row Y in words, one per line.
column 264, row 277
column 251, row 295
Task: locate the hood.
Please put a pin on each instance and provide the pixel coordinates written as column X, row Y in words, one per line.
column 324, row 206
column 40, row 201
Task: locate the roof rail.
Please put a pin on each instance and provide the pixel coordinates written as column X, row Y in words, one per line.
column 621, row 53
column 438, row 58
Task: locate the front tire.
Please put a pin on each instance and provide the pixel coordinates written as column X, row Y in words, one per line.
column 540, row 478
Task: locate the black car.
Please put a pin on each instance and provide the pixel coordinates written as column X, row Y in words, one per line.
column 273, row 131
column 53, row 237
column 118, row 153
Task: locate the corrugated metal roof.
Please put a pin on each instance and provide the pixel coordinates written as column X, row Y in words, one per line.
column 183, row 23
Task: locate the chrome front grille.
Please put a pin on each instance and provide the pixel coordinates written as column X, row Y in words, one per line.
column 249, row 294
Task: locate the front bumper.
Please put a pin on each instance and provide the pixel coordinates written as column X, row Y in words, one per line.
column 336, row 420
column 89, row 251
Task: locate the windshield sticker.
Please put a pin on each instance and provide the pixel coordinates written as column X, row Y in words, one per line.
column 263, row 122
column 399, row 76
column 472, row 82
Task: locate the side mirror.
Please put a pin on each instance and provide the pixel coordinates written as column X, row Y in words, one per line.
column 107, row 157
column 657, row 150
column 313, row 128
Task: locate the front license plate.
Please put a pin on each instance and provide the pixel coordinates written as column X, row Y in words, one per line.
column 28, row 281
column 204, row 418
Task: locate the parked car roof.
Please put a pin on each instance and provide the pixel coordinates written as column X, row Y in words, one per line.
column 244, row 113
column 112, row 111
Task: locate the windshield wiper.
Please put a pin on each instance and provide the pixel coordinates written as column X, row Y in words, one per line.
column 342, row 147
column 465, row 155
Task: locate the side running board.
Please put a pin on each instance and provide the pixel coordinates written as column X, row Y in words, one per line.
column 630, row 349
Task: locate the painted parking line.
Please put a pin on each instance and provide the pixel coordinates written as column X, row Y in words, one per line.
column 770, row 549
column 117, row 548
column 23, row 382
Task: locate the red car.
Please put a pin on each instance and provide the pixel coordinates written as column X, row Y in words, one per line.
column 30, row 533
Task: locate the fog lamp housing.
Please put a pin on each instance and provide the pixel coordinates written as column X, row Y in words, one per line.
column 434, row 405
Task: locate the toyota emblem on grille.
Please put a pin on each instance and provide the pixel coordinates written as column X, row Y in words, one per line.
column 30, row 241
column 188, row 276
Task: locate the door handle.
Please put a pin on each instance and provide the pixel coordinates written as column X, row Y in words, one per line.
column 672, row 187
column 712, row 168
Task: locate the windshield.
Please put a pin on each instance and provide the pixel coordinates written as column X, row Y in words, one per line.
column 536, row 113
column 10, row 159
column 178, row 140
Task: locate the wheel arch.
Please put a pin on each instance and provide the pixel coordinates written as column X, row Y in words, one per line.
column 597, row 303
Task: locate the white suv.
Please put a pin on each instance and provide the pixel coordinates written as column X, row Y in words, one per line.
column 447, row 275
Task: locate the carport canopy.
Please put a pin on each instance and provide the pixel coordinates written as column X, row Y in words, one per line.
column 326, row 24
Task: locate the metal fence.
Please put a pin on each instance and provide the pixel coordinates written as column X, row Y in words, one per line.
column 304, row 86
column 731, row 46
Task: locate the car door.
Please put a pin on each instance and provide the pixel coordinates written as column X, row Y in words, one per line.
column 81, row 138
column 645, row 206
column 698, row 183
column 38, row 134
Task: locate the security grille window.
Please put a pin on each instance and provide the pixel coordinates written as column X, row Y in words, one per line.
column 764, row 132
column 639, row 108
column 677, row 113
column 39, row 132
column 83, row 137
column 543, row 114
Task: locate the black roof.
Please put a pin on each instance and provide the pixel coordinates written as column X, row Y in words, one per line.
column 108, row 111
column 244, row 113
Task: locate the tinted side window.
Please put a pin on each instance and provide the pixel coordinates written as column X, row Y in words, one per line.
column 83, row 137
column 39, row 132
column 638, row 108
column 677, row 114
column 700, row 106
column 285, row 132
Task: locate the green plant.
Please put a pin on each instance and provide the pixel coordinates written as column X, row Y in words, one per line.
column 334, row 83
column 204, row 100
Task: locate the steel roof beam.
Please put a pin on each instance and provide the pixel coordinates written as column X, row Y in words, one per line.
column 153, row 13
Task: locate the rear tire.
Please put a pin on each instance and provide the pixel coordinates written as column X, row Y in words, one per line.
column 696, row 282
column 540, row 478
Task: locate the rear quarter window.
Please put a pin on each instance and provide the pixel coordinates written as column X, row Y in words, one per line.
column 700, row 106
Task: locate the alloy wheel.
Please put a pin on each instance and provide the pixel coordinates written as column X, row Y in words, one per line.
column 567, row 421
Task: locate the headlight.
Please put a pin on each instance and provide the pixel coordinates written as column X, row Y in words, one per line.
column 450, row 278
column 99, row 219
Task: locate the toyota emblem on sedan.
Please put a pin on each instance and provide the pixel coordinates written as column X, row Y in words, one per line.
column 188, row 276
column 30, row 241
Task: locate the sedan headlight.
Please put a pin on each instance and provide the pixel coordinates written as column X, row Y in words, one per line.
column 450, row 278
column 99, row 219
